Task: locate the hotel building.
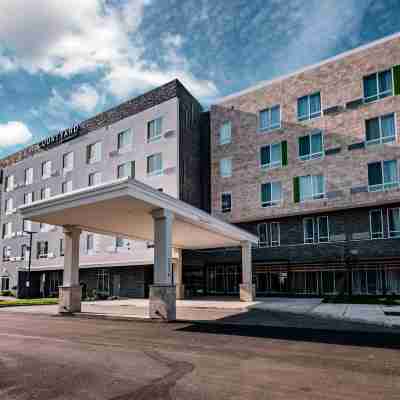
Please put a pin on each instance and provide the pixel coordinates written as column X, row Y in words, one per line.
column 309, row 162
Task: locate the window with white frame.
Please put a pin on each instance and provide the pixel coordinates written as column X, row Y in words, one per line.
column 28, row 176
column 6, row 253
column 270, row 118
column 5, row 283
column 225, row 167
column 271, row 155
column 24, row 252
column 28, row 198
column 311, row 146
column 271, row 194
column 68, row 161
column 126, row 170
column 89, row 242
column 154, row 164
column 394, row 222
column 376, row 224
column 9, row 208
column 226, row 202
column 42, row 249
column 61, row 247
column 225, row 133
column 45, row 193
column 9, row 183
column 312, row 187
column 382, row 175
column 309, row 107
column 316, row 229
column 154, row 130
column 7, row 230
column 380, row 129
column 378, row 85
column 93, row 153
column 66, row 186
column 124, row 140
column 269, row 234
column 94, row 178
column 46, row 169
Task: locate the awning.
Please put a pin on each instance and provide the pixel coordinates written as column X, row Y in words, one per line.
column 123, row 208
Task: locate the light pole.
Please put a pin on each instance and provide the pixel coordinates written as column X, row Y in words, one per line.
column 28, row 281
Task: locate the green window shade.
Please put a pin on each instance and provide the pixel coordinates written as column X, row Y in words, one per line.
column 396, row 78
column 304, row 146
column 265, row 193
column 296, row 189
column 284, row 153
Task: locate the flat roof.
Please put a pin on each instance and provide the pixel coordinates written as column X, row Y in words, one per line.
column 263, row 84
column 124, row 208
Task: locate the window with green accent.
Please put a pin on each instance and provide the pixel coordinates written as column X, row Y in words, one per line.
column 378, row 85
column 311, row 146
column 284, row 153
column 396, row 79
column 271, row 194
column 296, row 189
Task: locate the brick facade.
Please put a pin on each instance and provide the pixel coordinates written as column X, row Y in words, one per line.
column 339, row 82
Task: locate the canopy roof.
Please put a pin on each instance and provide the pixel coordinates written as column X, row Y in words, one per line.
column 123, row 208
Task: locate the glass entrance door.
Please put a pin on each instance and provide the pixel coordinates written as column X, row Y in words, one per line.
column 222, row 279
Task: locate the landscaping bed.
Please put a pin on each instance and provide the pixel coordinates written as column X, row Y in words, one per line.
column 28, row 302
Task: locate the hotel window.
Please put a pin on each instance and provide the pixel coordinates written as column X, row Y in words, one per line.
column 6, row 253
column 311, row 146
column 28, row 176
column 273, row 155
column 45, row 193
column 316, row 230
column 226, row 202
column 24, row 252
column 271, row 194
column 154, row 164
column 394, row 222
column 66, row 186
column 9, row 183
column 225, row 167
column 270, row 118
column 126, row 170
column 309, row 187
column 154, row 129
column 28, row 198
column 380, row 129
column 7, row 230
column 68, row 161
column 94, row 178
column 124, row 139
column 61, row 246
column 103, row 282
column 376, row 224
column 9, row 206
column 382, row 175
column 93, row 153
column 225, row 133
column 46, row 169
column 269, row 234
column 309, row 107
column 378, row 85
column 5, row 283
column 89, row 242
column 42, row 249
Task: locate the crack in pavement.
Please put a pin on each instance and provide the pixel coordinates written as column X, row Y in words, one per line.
column 159, row 388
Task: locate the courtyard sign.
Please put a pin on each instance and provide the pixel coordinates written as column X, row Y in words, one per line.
column 61, row 137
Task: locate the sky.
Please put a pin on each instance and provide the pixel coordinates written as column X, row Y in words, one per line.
column 64, row 61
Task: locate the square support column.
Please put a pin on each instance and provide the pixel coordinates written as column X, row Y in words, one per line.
column 180, row 287
column 162, row 302
column 247, row 289
column 70, row 291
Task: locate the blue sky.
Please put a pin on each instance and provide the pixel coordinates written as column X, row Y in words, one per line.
column 63, row 61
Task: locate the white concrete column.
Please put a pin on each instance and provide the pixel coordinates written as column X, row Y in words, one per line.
column 162, row 293
column 70, row 291
column 247, row 289
column 180, row 287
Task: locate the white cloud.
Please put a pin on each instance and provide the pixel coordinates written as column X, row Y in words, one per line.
column 85, row 99
column 96, row 37
column 13, row 133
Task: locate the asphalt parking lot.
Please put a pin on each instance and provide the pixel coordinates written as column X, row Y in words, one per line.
column 47, row 357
